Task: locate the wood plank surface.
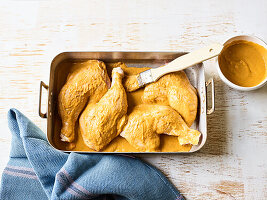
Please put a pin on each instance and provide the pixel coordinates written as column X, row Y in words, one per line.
column 232, row 164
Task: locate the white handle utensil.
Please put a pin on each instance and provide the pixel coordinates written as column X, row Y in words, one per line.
column 134, row 82
column 187, row 60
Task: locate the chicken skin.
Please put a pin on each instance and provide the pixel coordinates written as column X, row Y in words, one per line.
column 175, row 90
column 146, row 122
column 102, row 122
column 89, row 82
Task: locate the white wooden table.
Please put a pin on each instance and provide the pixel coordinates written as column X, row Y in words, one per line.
column 232, row 164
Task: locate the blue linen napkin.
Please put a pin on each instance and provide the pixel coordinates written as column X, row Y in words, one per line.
column 38, row 171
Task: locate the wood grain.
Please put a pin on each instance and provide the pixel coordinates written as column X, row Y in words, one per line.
column 232, row 164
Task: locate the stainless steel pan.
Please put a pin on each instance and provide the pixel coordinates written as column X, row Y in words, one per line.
column 58, row 75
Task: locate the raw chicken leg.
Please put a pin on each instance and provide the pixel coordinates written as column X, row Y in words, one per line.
column 175, row 90
column 89, row 82
column 147, row 121
column 102, row 122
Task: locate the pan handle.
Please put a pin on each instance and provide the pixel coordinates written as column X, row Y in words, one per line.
column 211, row 83
column 42, row 84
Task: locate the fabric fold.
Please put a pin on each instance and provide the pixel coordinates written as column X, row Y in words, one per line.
column 44, row 172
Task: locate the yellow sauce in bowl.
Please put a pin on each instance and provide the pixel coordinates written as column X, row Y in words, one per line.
column 244, row 63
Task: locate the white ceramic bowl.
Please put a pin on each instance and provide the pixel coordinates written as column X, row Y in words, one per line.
column 229, row 83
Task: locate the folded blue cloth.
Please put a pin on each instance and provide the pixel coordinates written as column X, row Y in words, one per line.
column 38, row 171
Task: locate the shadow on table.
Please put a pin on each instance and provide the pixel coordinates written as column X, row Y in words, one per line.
column 217, row 132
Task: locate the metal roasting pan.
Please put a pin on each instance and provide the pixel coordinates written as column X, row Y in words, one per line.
column 58, row 75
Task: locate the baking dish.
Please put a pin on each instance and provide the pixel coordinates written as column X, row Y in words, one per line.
column 59, row 72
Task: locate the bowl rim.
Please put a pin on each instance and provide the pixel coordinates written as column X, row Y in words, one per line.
column 249, row 38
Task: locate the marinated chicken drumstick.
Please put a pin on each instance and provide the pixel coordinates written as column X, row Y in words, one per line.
column 146, row 122
column 82, row 84
column 102, row 122
column 175, row 90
